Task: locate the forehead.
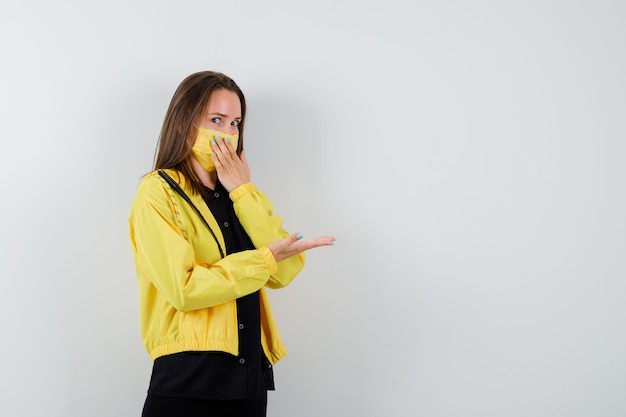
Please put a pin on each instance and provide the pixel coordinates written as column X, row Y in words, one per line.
column 224, row 102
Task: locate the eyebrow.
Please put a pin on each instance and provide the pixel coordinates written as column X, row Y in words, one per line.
column 222, row 115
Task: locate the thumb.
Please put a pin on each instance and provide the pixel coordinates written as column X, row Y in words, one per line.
column 296, row 236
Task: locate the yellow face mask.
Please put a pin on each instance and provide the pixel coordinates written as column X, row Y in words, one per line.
column 202, row 148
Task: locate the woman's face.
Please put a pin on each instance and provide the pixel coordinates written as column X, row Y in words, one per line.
column 223, row 112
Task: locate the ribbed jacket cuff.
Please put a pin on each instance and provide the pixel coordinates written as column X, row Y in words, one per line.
column 242, row 190
column 268, row 257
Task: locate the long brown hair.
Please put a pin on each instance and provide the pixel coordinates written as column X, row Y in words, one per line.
column 178, row 133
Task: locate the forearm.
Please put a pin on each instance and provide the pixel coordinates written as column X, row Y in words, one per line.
column 193, row 286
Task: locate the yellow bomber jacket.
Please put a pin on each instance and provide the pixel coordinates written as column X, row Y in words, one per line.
column 187, row 292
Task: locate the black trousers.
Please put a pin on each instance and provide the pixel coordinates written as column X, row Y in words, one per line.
column 161, row 406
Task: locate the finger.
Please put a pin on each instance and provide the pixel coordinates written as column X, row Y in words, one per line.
column 216, row 160
column 227, row 148
column 219, row 147
column 293, row 241
column 327, row 240
column 231, row 149
column 214, row 146
column 319, row 241
column 289, row 240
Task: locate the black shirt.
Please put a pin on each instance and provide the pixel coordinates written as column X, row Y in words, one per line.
column 220, row 375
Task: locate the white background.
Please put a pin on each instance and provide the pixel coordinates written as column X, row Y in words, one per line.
column 468, row 155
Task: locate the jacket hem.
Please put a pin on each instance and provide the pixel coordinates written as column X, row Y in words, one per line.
column 277, row 353
column 186, row 346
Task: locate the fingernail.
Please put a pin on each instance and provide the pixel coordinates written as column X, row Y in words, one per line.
column 213, row 154
column 227, row 140
column 217, row 137
column 213, row 143
column 299, row 236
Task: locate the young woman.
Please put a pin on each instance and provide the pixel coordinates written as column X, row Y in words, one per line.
column 206, row 245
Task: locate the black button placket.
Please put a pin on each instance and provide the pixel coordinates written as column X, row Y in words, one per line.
column 250, row 359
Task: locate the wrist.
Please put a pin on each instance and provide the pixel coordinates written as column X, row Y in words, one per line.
column 241, row 190
column 270, row 261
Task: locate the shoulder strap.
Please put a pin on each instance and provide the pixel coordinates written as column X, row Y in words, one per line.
column 184, row 195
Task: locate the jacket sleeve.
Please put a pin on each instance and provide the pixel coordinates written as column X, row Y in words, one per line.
column 165, row 257
column 255, row 212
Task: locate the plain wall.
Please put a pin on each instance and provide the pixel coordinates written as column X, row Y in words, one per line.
column 468, row 155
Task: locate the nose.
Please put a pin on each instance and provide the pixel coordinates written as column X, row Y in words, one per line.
column 231, row 130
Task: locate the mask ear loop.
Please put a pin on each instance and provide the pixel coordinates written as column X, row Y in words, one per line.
column 184, row 195
column 190, row 143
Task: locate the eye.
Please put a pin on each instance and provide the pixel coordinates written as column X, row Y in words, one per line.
column 216, row 120
column 235, row 123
